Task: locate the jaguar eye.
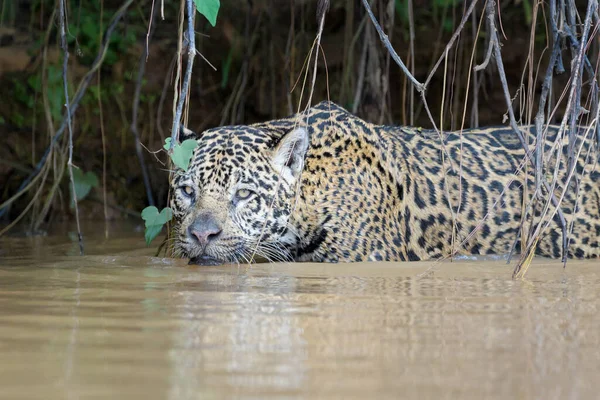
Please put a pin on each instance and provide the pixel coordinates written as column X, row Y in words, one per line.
column 188, row 191
column 243, row 194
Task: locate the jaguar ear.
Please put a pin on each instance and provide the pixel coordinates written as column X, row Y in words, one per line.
column 288, row 155
column 185, row 134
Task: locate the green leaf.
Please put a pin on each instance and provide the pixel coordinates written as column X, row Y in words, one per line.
column 152, row 232
column 208, row 8
column 83, row 184
column 153, row 217
column 182, row 154
column 155, row 221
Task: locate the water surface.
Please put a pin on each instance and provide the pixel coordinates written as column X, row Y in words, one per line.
column 119, row 323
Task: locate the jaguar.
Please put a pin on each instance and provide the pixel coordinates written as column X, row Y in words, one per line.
column 326, row 186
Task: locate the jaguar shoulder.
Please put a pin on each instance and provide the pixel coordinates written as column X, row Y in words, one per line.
column 328, row 186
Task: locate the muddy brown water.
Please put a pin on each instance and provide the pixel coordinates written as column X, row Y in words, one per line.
column 119, row 323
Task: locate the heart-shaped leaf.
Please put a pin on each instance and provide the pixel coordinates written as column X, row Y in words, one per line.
column 155, row 221
column 182, row 153
column 208, row 8
column 83, row 184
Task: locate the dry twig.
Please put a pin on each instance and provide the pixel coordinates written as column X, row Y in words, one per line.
column 491, row 14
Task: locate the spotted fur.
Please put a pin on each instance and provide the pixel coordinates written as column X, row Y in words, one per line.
column 331, row 187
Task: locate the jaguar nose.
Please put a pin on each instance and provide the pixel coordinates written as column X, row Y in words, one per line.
column 204, row 229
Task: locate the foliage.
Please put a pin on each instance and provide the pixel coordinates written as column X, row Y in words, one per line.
column 54, row 89
column 83, row 184
column 182, row 153
column 85, row 32
column 208, row 8
column 155, row 221
column 25, row 93
column 83, row 35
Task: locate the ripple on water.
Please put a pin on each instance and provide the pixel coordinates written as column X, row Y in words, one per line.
column 121, row 323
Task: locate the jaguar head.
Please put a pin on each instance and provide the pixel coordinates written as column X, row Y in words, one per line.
column 234, row 202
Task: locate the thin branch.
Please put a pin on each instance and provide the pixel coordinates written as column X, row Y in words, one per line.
column 490, row 10
column 135, row 112
column 454, row 37
column 411, row 47
column 206, row 60
column 231, row 110
column 163, row 96
column 386, row 42
column 362, row 65
column 513, row 123
column 322, row 8
column 102, row 132
column 150, row 29
column 65, row 48
column 475, row 28
column 191, row 51
column 83, row 85
column 488, row 57
column 238, row 95
column 540, row 116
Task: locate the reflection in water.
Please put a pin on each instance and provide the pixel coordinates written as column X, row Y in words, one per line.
column 121, row 324
column 233, row 335
column 72, row 343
